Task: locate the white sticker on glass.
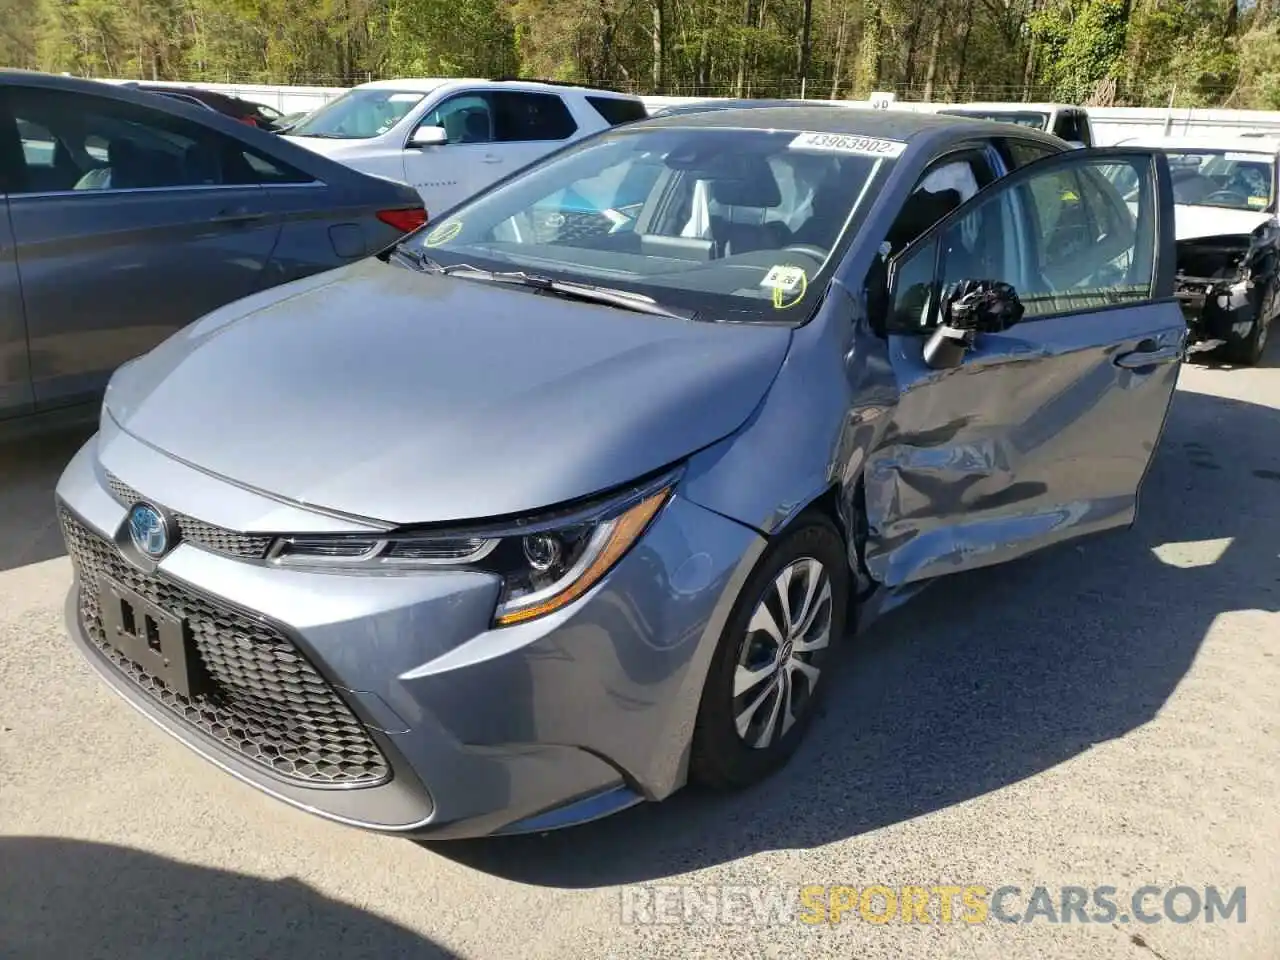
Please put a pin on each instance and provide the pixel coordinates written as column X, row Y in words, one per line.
column 848, row 143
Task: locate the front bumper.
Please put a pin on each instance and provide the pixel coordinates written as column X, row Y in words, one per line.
column 1218, row 312
column 483, row 731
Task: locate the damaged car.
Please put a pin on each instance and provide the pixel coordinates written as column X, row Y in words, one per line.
column 1228, row 241
column 541, row 525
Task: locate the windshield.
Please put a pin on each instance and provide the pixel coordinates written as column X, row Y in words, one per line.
column 733, row 224
column 1222, row 178
column 1038, row 121
column 359, row 114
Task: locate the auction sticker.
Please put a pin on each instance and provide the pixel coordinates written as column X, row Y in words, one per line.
column 443, row 233
column 788, row 279
column 848, row 143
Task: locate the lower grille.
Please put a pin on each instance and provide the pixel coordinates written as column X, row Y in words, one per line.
column 265, row 701
column 232, row 543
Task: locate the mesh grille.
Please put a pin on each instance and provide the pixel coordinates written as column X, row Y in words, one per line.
column 246, row 546
column 571, row 226
column 265, row 701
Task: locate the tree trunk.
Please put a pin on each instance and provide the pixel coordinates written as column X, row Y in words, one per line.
column 910, row 66
column 964, row 42
column 659, row 28
column 935, row 43
column 806, row 42
column 748, row 20
column 842, row 43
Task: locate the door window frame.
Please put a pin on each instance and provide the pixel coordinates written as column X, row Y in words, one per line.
column 13, row 171
column 1163, row 266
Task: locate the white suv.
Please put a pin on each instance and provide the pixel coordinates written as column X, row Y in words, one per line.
column 451, row 138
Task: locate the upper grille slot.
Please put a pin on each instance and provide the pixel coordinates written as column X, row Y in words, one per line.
column 231, row 543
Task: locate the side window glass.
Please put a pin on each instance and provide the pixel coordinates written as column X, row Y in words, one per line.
column 1023, row 152
column 38, row 145
column 262, row 170
column 465, row 118
column 1065, row 239
column 912, row 310
column 532, row 116
column 98, row 144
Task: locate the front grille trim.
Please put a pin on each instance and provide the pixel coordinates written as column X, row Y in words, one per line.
column 207, row 536
column 334, row 749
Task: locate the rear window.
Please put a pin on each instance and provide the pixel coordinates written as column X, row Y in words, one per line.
column 617, row 110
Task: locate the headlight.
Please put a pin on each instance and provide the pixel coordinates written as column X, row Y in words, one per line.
column 545, row 563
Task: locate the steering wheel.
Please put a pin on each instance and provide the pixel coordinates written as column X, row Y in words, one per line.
column 806, row 249
column 1228, row 196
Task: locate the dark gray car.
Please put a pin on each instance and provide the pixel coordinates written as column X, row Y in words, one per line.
column 519, row 525
column 124, row 216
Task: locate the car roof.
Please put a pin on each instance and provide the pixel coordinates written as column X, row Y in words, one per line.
column 853, row 120
column 430, row 84
column 1011, row 107
column 1264, row 145
column 714, row 103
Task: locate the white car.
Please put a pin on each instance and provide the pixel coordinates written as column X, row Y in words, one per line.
column 451, row 138
column 1228, row 238
column 1064, row 120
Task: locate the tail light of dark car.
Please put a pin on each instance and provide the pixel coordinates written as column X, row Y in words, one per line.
column 404, row 219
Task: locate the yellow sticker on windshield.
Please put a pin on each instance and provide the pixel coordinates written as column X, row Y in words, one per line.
column 443, row 233
column 1258, row 201
column 1069, row 195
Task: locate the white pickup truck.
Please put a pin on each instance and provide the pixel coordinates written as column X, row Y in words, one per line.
column 1063, row 120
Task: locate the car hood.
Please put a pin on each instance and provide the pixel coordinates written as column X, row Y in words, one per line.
column 329, row 146
column 388, row 394
column 1193, row 222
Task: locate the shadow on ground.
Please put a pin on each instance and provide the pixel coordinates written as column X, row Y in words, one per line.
column 29, row 471
column 67, row 898
column 985, row 679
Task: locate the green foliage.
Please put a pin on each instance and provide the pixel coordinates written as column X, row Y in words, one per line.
column 1191, row 51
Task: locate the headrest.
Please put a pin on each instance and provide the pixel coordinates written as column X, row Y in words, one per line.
column 753, row 185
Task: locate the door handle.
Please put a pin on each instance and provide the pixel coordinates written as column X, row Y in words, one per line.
column 1148, row 354
column 238, row 215
column 491, row 158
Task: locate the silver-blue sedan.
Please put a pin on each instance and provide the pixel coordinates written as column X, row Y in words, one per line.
column 539, row 515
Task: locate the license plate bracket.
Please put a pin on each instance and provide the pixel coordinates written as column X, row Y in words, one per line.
column 151, row 637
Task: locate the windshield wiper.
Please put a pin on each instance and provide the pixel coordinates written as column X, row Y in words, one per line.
column 416, row 259
column 623, row 299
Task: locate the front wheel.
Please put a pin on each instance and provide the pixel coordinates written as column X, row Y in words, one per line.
column 767, row 673
column 1248, row 350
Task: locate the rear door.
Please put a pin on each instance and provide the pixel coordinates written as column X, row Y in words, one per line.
column 1044, row 432
column 129, row 222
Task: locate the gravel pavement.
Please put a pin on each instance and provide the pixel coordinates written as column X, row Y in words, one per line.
column 1105, row 714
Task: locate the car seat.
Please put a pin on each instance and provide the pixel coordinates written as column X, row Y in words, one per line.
column 738, row 223
column 475, row 127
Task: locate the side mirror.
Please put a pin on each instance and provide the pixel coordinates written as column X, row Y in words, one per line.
column 428, row 137
column 970, row 307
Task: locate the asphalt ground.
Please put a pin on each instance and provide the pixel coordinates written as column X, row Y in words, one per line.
column 1100, row 715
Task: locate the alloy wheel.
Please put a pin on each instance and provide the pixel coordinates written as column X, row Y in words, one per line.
column 779, row 659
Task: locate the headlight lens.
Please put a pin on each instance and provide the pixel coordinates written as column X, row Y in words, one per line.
column 545, row 563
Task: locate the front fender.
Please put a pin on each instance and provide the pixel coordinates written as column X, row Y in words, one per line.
column 812, row 431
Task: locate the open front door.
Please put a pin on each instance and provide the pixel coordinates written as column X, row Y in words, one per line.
column 1043, row 431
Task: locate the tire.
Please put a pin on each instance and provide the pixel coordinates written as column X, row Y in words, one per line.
column 722, row 757
column 1248, row 351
